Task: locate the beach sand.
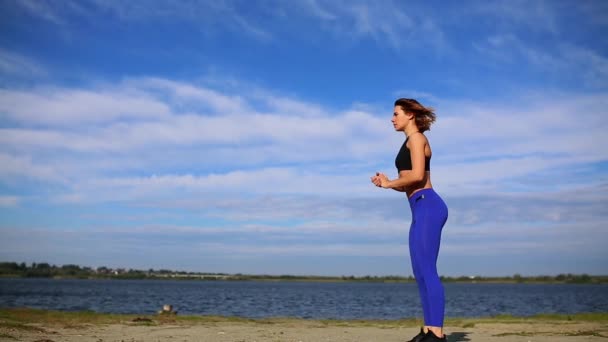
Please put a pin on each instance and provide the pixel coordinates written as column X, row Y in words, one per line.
column 129, row 328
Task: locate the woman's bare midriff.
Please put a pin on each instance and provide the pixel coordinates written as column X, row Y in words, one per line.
column 413, row 188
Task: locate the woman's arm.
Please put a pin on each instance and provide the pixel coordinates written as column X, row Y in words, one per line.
column 378, row 182
column 417, row 145
column 400, row 189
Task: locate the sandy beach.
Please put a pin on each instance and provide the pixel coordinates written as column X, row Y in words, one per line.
column 305, row 332
column 46, row 326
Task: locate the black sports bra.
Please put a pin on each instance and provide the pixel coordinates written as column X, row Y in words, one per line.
column 404, row 159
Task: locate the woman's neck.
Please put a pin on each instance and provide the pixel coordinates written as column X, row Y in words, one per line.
column 411, row 130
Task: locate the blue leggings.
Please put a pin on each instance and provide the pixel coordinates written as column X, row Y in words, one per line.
column 429, row 214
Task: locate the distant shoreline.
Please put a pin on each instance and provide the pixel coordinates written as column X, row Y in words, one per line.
column 593, row 280
column 71, row 271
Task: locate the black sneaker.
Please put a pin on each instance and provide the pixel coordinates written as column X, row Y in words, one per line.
column 431, row 337
column 418, row 337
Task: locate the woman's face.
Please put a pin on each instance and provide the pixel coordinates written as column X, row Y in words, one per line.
column 400, row 118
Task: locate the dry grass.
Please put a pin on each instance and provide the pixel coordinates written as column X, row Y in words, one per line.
column 21, row 318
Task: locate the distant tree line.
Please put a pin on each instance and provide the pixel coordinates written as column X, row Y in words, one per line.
column 46, row 270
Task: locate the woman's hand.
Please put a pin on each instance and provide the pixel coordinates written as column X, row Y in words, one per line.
column 383, row 180
column 375, row 180
column 380, row 180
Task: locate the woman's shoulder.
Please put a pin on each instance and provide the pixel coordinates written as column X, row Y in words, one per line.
column 418, row 137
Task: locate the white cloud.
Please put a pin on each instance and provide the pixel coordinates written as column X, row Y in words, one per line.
column 535, row 124
column 577, row 239
column 489, row 240
column 206, row 15
column 333, row 249
column 181, row 91
column 14, row 169
column 230, row 184
column 592, row 64
column 564, row 59
column 149, row 114
column 387, row 23
column 66, row 107
column 142, row 124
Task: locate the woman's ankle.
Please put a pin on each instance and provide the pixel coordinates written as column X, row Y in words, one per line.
column 438, row 331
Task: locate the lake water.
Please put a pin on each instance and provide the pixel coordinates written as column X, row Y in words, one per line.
column 340, row 300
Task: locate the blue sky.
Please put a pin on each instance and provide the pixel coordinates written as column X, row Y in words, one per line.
column 236, row 136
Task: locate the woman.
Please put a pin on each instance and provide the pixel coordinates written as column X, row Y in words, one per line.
column 429, row 212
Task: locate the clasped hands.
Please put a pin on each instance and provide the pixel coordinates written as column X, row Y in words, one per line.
column 380, row 180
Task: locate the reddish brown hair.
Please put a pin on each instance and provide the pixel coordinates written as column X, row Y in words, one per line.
column 424, row 116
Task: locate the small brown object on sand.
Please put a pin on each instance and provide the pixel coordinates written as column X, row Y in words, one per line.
column 141, row 319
